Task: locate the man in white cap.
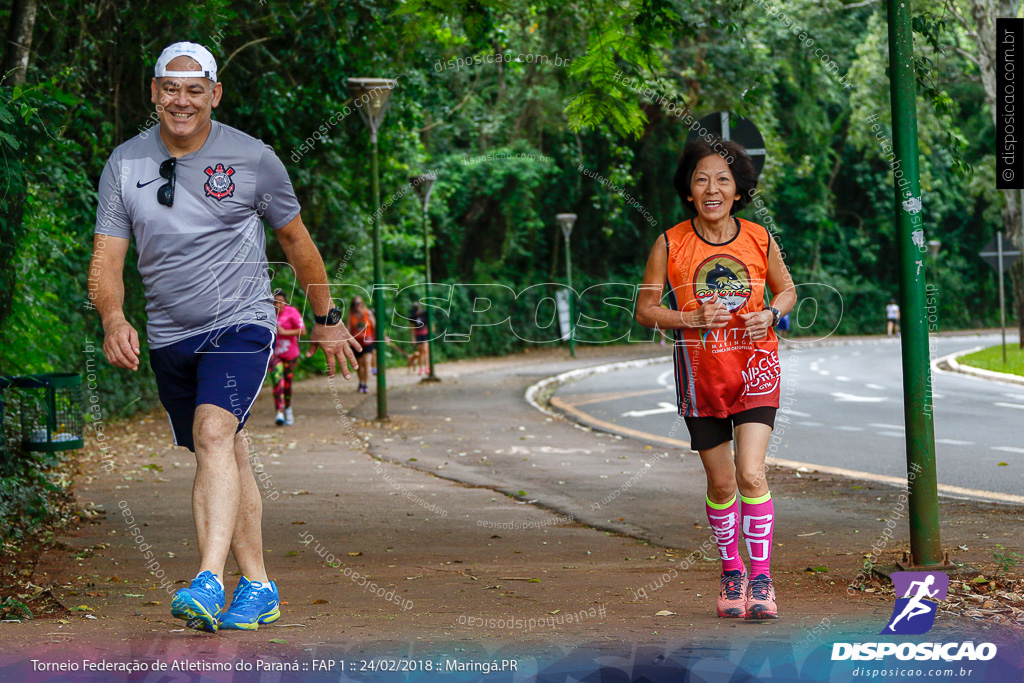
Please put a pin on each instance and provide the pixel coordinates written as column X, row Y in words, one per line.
column 195, row 198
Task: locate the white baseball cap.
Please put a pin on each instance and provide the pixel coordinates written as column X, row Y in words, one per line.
column 205, row 59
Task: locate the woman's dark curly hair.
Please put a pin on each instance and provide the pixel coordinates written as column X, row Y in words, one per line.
column 742, row 168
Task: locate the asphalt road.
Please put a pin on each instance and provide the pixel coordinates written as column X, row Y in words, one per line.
column 847, row 413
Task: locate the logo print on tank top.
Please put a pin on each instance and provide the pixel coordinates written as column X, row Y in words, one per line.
column 725, row 276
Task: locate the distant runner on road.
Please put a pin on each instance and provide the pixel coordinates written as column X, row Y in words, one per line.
column 725, row 355
column 194, row 194
column 362, row 325
column 290, row 327
column 892, row 318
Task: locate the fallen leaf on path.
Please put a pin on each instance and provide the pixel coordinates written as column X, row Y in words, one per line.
column 81, row 608
column 321, row 601
column 298, row 522
column 664, row 613
column 89, row 616
column 277, row 640
column 813, row 533
column 817, row 570
column 355, row 554
column 151, row 603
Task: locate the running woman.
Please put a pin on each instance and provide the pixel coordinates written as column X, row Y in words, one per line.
column 195, row 195
column 420, row 336
column 361, row 324
column 290, row 327
column 725, row 356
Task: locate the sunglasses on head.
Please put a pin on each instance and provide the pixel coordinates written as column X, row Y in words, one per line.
column 165, row 193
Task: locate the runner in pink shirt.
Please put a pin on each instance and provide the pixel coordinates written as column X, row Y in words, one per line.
column 286, row 356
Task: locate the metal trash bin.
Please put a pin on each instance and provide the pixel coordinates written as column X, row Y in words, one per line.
column 51, row 417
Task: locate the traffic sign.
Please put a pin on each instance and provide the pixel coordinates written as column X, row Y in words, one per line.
column 1000, row 254
column 990, row 253
column 736, row 128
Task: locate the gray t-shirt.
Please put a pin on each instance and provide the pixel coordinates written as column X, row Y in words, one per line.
column 203, row 260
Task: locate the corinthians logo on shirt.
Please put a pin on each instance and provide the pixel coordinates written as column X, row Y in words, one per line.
column 725, row 276
column 219, row 184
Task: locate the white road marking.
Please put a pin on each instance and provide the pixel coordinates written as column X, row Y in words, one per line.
column 809, row 424
column 1018, row 406
column 898, row 435
column 955, row 442
column 665, row 408
column 844, row 428
column 840, row 378
column 853, row 398
column 824, row 372
column 1008, row 449
column 1016, row 397
column 667, row 378
column 882, row 425
column 878, row 387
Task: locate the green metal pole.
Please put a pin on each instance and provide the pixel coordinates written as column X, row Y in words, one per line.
column 922, row 482
column 426, row 312
column 378, row 299
column 572, row 319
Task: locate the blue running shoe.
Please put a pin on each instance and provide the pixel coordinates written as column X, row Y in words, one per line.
column 200, row 603
column 253, row 603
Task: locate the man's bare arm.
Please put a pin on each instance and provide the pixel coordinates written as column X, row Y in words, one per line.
column 106, row 291
column 305, row 258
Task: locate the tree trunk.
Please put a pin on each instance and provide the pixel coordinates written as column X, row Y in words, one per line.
column 19, row 41
column 984, row 13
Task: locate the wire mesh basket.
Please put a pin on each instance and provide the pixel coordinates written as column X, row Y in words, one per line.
column 51, row 411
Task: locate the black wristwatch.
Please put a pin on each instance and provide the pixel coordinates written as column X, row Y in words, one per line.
column 333, row 317
column 776, row 315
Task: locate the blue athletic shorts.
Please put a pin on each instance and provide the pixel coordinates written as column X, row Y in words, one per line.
column 225, row 368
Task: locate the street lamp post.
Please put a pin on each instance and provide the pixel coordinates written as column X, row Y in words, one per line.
column 371, row 98
column 567, row 220
column 424, row 185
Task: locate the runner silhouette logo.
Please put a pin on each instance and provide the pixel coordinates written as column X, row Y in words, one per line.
column 914, row 613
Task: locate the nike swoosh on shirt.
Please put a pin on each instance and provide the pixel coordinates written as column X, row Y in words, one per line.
column 139, row 183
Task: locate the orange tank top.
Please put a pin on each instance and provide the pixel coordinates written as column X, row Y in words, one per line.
column 721, row 372
column 361, row 327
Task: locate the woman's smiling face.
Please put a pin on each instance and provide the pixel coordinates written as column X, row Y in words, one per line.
column 713, row 189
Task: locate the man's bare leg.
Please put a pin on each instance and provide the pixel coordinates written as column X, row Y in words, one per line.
column 215, row 490
column 247, row 541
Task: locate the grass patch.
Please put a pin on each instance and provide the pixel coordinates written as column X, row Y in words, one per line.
column 992, row 359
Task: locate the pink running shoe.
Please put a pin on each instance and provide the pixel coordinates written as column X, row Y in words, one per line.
column 732, row 599
column 761, row 598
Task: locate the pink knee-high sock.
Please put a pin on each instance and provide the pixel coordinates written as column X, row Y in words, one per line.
column 758, row 523
column 724, row 520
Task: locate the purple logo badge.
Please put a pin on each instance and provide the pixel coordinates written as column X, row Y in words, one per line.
column 916, row 592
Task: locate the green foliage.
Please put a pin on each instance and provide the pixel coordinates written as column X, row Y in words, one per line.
column 560, row 99
column 1005, row 561
column 14, row 609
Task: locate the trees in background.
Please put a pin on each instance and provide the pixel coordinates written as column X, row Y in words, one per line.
column 601, row 86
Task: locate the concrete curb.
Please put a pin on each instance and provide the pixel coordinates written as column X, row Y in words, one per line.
column 950, row 364
column 537, row 395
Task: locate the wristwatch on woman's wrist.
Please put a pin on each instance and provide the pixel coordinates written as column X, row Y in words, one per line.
column 776, row 315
